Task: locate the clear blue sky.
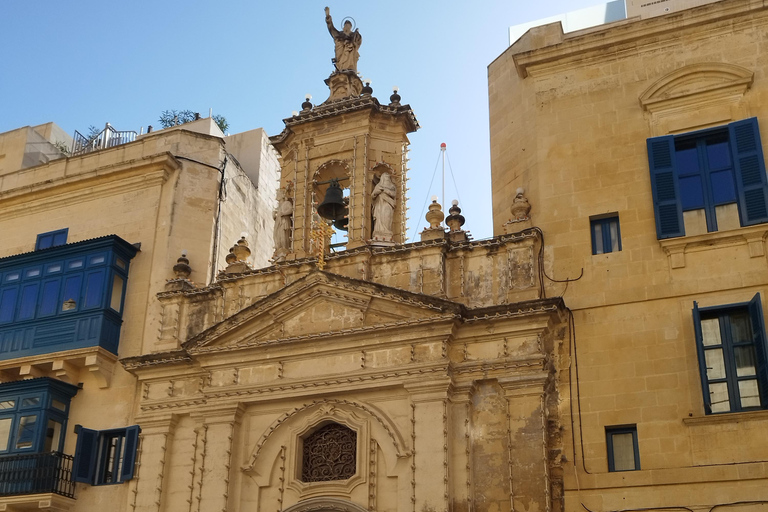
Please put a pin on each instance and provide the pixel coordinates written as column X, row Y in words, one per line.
column 85, row 62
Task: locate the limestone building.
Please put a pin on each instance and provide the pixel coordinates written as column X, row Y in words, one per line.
column 381, row 376
column 639, row 146
column 88, row 241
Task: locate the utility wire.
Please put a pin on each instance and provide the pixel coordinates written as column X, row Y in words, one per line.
column 416, row 227
column 454, row 181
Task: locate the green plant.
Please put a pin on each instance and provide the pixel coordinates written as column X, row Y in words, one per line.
column 169, row 118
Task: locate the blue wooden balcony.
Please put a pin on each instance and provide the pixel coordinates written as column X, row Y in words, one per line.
column 63, row 298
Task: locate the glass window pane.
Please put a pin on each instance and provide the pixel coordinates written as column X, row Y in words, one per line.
column 598, row 234
column 745, row 360
column 710, row 331
column 687, row 158
column 8, row 304
column 623, row 452
column 715, row 363
column 7, row 404
column 750, row 397
column 718, row 152
column 691, row 193
column 25, row 435
column 94, row 289
column 614, row 225
column 50, row 297
column 723, row 187
column 741, row 331
column 5, row 432
column 120, row 263
column 52, row 437
column 117, row 293
column 59, row 405
column 718, row 397
column 28, row 402
column 28, row 301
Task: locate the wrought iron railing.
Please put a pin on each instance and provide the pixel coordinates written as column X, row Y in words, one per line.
column 106, row 138
column 37, row 473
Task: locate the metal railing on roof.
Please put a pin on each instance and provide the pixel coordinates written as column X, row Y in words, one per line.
column 106, row 138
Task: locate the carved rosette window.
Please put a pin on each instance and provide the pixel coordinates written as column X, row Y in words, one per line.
column 330, row 453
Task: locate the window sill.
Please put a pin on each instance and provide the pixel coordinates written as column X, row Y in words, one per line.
column 726, row 417
column 752, row 236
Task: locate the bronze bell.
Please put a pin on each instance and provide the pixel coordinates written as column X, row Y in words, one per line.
column 342, row 224
column 333, row 207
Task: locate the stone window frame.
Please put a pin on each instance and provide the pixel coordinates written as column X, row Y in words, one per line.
column 319, row 418
column 696, row 97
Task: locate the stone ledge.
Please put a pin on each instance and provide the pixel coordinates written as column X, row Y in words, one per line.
column 46, row 501
column 65, row 366
column 734, row 417
column 753, row 236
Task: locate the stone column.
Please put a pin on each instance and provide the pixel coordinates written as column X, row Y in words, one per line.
column 215, row 464
column 148, row 485
column 429, row 436
column 529, row 471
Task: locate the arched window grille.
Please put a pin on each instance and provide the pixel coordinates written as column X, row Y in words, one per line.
column 330, row 453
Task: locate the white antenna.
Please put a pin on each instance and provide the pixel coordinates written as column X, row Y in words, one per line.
column 442, row 151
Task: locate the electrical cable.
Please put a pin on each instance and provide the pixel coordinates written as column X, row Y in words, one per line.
column 453, row 178
column 416, row 228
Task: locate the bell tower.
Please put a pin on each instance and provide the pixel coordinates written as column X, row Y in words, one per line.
column 350, row 141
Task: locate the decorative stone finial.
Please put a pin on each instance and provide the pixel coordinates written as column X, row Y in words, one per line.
column 455, row 220
column 182, row 270
column 394, row 100
column 307, row 105
column 236, row 259
column 434, row 216
column 521, row 209
column 367, row 89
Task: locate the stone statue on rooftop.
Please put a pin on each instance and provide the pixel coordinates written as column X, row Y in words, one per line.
column 347, row 44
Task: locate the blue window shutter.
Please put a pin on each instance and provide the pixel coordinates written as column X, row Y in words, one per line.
column 750, row 171
column 86, row 450
column 44, row 242
column 666, row 192
column 761, row 349
column 702, row 361
column 131, row 448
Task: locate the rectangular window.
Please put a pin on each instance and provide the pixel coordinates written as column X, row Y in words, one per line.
column 623, row 452
column 606, row 236
column 106, row 456
column 714, row 175
column 51, row 239
column 116, row 299
column 732, row 349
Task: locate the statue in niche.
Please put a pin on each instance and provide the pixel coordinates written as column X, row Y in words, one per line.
column 283, row 223
column 383, row 197
column 347, row 43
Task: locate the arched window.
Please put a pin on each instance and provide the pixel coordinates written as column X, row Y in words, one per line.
column 329, row 453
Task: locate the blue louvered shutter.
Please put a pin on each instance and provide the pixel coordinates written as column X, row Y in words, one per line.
column 750, row 171
column 131, row 448
column 86, row 450
column 761, row 348
column 702, row 360
column 666, row 193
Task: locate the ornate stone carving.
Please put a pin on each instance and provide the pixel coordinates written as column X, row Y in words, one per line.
column 329, row 453
column 383, row 197
column 283, row 216
column 455, row 220
column 521, row 218
column 435, row 217
column 236, row 259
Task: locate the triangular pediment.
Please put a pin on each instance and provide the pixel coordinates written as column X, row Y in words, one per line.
column 321, row 304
